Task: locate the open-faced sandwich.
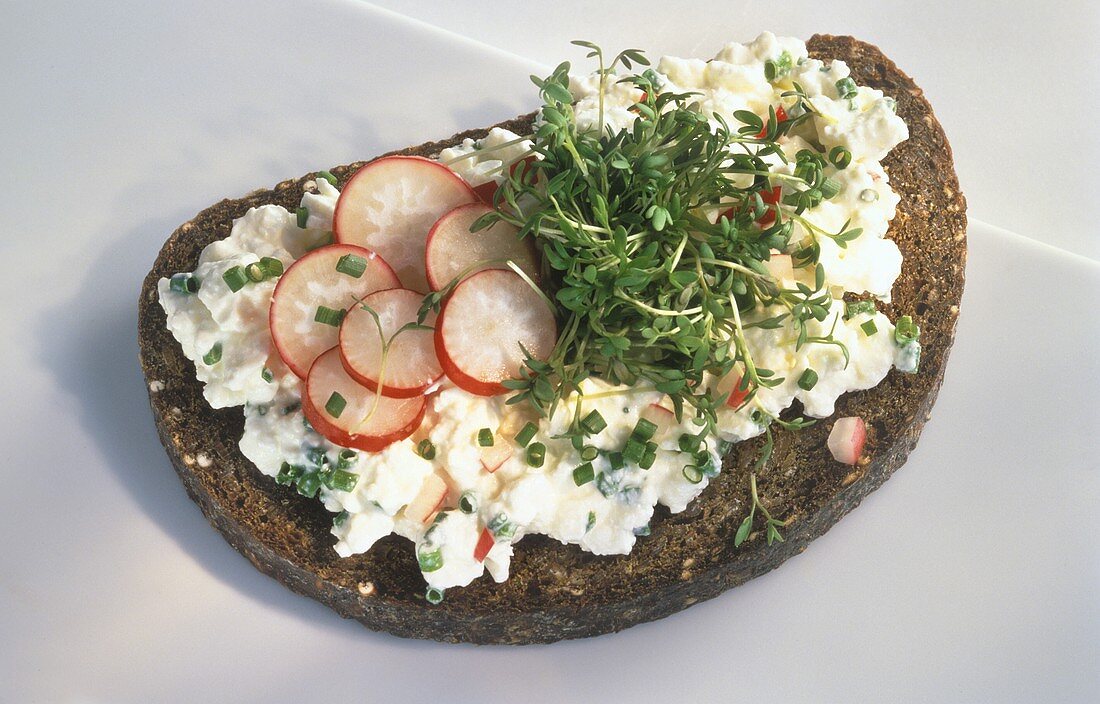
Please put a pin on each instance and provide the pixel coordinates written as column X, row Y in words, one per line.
column 578, row 370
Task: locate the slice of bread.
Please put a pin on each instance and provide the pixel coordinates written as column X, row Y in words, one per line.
column 557, row 591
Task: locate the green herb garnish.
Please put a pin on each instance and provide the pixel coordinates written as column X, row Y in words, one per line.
column 526, row 434
column 184, row 283
column 235, row 278
column 772, row 525
column 329, row 316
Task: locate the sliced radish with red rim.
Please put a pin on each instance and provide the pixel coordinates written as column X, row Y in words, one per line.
column 428, row 501
column 350, row 415
column 409, row 365
column 390, row 204
column 452, row 250
column 485, row 325
column 312, row 295
column 847, row 438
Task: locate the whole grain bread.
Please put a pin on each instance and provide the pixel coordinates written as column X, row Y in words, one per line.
column 558, row 591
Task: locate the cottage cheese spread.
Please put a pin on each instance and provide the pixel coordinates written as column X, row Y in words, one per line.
column 604, row 517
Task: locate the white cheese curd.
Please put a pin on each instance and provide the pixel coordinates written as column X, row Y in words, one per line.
column 606, row 511
column 491, row 156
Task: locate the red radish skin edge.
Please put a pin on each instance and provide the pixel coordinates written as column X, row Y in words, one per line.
column 366, row 443
column 494, row 456
column 450, row 368
column 371, row 256
column 435, row 284
column 452, row 174
column 459, row 377
column 847, row 438
column 433, row 486
column 486, row 191
column 372, row 384
column 485, row 543
column 737, row 396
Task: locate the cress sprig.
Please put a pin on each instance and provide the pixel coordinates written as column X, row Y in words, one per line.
column 647, row 287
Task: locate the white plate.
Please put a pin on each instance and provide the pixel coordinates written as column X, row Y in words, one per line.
column 970, row 575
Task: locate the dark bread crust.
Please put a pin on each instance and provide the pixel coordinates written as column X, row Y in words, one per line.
column 558, row 591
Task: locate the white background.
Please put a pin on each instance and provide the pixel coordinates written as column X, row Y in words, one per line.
column 971, row 576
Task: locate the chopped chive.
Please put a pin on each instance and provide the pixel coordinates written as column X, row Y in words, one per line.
column 346, row 458
column 868, row 195
column 267, row 375
column 430, row 561
column 891, row 103
column 426, row 449
column 589, row 453
column 434, row 596
column 292, row 408
column 327, row 175
column 693, row 474
column 184, row 283
column 846, row 88
column 254, row 272
column 329, row 316
column 591, row 521
column 302, row 214
column 808, row 380
column 606, row 485
column 526, row 434
column 467, row 503
column 642, row 531
column 644, row 429
column 616, row 460
column 351, row 264
column 634, row 450
column 593, row 423
column 648, row 459
column 905, row 331
column 501, row 526
column 536, row 454
column 288, row 473
column 485, row 437
column 213, row 356
column 778, row 67
column 688, row 442
column 577, row 441
column 272, row 267
column 869, row 328
column 316, row 456
column 584, row 474
column 840, row 157
column 338, row 519
column 858, row 307
column 235, row 278
column 342, row 480
column 829, row 188
column 309, row 484
column 336, row 404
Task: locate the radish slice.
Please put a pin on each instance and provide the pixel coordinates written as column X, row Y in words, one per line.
column 453, row 250
column 780, row 267
column 485, row 543
column 428, row 502
column 483, row 324
column 846, row 439
column 390, row 204
column 324, row 278
column 410, row 364
column 663, row 418
column 731, row 384
column 497, row 454
column 351, row 415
